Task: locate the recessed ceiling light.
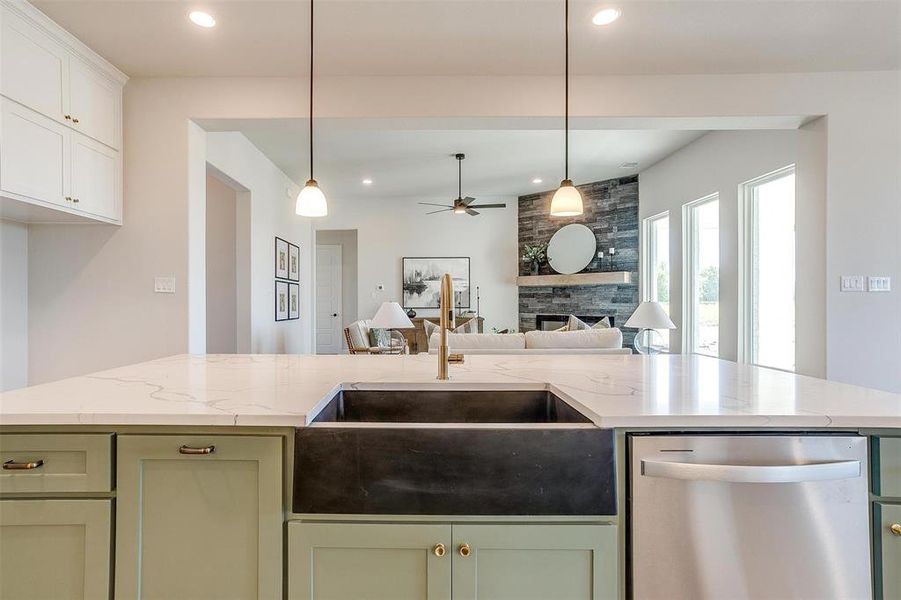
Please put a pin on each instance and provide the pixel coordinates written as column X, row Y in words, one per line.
column 367, row 181
column 628, row 165
column 537, row 180
column 606, row 16
column 198, row 17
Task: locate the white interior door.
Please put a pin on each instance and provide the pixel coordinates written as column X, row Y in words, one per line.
column 328, row 299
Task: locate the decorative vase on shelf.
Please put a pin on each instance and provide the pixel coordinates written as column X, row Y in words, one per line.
column 411, row 313
column 534, row 268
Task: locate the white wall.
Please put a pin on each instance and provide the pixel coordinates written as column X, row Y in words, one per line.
column 347, row 239
column 107, row 273
column 13, row 305
column 221, row 267
column 271, row 199
column 720, row 162
column 390, row 228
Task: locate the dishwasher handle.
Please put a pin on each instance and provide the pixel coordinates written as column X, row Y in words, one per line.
column 843, row 469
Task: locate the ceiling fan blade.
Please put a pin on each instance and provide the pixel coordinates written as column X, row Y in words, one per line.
column 468, row 200
column 488, row 206
column 433, row 204
column 471, row 212
column 438, row 211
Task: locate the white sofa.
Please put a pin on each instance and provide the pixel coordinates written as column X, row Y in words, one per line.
column 586, row 341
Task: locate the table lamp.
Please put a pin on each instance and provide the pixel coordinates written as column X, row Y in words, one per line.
column 391, row 316
column 648, row 317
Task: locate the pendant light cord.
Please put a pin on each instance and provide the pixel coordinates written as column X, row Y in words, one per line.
column 311, row 89
column 566, row 93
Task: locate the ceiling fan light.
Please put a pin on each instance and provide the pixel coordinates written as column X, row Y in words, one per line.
column 459, row 210
column 567, row 201
column 311, row 201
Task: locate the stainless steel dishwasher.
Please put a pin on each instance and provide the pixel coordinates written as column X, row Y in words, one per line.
column 749, row 516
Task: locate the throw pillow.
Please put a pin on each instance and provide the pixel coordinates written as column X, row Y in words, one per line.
column 602, row 324
column 430, row 328
column 576, row 324
column 379, row 337
column 470, row 326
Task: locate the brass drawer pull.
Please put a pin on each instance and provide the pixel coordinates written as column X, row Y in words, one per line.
column 74, row 120
column 464, row 550
column 189, row 450
column 439, row 550
column 12, row 465
column 896, row 528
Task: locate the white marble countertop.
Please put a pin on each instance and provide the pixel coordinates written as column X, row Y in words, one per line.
column 615, row 391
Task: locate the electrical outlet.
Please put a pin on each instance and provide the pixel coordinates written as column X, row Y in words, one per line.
column 852, row 283
column 164, row 285
column 879, row 284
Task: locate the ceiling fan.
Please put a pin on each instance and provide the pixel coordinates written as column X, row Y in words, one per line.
column 461, row 205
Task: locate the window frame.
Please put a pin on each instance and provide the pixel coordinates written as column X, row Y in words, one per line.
column 747, row 218
column 648, row 268
column 688, row 273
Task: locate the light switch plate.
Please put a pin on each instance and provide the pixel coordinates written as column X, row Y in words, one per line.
column 879, row 284
column 164, row 285
column 852, row 283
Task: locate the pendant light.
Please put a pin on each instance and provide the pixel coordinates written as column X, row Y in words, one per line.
column 567, row 201
column 311, row 201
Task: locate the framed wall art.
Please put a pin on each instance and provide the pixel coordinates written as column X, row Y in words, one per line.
column 282, row 312
column 422, row 280
column 281, row 258
column 293, row 262
column 293, row 301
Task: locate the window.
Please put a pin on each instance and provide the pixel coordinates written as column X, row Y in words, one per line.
column 767, row 316
column 656, row 265
column 701, row 235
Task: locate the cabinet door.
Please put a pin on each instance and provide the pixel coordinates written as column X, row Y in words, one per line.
column 32, row 67
column 888, row 548
column 564, row 562
column 56, row 549
column 199, row 517
column 94, row 103
column 347, row 561
column 33, row 155
column 95, row 178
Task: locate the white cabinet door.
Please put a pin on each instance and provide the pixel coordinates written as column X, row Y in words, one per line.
column 94, row 178
column 32, row 67
column 34, row 155
column 94, row 103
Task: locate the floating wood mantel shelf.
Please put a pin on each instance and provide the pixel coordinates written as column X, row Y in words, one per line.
column 606, row 278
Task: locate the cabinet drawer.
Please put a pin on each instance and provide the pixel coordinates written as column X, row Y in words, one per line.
column 36, row 463
column 887, row 466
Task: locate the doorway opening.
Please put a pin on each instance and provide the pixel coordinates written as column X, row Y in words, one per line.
column 336, row 288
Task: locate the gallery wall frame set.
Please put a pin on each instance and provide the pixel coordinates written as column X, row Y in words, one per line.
column 287, row 278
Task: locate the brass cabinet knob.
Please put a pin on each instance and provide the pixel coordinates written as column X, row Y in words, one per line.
column 68, row 198
column 896, row 528
column 74, row 199
column 74, row 120
column 464, row 550
column 439, row 550
column 68, row 117
column 197, row 451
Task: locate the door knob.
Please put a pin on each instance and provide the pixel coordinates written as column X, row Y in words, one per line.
column 334, row 314
column 439, row 550
column 464, row 550
column 896, row 528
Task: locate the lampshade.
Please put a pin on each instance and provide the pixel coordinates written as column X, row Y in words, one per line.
column 311, row 201
column 391, row 316
column 567, row 201
column 650, row 315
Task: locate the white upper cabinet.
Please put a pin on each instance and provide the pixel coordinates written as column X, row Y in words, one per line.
column 94, row 103
column 61, row 123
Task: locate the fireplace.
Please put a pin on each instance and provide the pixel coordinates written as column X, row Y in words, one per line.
column 552, row 322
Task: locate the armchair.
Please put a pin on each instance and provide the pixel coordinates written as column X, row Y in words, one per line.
column 357, row 337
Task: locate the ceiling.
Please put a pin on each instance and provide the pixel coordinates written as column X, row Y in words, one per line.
column 153, row 38
column 407, row 162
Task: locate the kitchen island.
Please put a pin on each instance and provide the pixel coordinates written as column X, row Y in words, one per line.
column 192, row 459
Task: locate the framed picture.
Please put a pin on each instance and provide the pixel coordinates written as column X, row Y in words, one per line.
column 422, row 280
column 281, row 258
column 281, row 301
column 293, row 262
column 293, row 301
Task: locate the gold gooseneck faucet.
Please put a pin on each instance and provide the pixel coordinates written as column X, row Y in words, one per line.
column 446, row 321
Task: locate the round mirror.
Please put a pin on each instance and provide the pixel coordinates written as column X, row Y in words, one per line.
column 571, row 249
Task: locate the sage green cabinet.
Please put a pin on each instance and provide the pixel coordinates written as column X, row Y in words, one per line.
column 524, row 562
column 887, row 462
column 56, row 549
column 887, row 520
column 199, row 517
column 345, row 561
column 38, row 463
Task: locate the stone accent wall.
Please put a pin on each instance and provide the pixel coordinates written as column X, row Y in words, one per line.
column 611, row 211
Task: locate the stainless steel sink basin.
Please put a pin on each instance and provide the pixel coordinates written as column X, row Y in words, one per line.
column 453, row 452
column 448, row 406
